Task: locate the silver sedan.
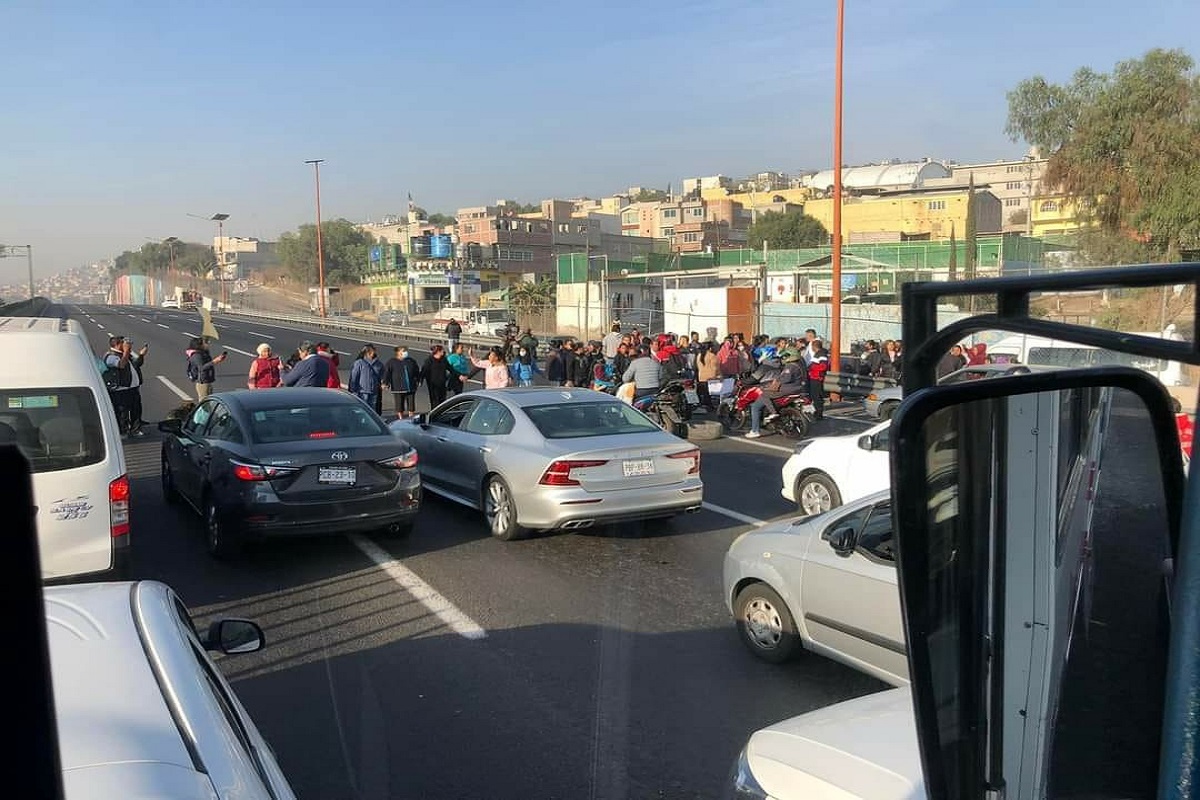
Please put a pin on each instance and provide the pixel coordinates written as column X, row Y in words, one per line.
column 548, row 459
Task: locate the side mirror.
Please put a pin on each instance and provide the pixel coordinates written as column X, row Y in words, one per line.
column 1036, row 517
column 842, row 541
column 234, row 637
column 420, row 419
column 866, row 442
column 170, row 425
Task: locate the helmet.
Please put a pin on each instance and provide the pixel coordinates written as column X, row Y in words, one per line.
column 790, row 355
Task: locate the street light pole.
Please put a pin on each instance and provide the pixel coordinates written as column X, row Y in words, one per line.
column 7, row 251
column 316, row 162
column 835, row 325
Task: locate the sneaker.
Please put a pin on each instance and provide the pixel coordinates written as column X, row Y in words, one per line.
column 139, row 433
column 753, row 435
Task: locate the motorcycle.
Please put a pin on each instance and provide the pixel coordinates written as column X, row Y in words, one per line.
column 672, row 406
column 791, row 411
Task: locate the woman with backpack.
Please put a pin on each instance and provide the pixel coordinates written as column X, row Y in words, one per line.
column 264, row 370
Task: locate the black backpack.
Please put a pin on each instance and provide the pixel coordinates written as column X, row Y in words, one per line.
column 193, row 372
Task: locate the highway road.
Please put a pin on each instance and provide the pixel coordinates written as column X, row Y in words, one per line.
column 600, row 664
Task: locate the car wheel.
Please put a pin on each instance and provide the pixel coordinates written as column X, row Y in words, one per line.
column 221, row 536
column 170, row 493
column 501, row 511
column 765, row 624
column 739, row 419
column 816, row 493
column 887, row 409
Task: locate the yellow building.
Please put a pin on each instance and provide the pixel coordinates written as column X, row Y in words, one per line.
column 913, row 214
column 750, row 200
column 1054, row 215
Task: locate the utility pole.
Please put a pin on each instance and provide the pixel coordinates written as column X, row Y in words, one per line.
column 835, row 312
column 10, row 251
column 316, row 162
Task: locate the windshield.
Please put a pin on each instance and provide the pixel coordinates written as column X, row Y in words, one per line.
column 581, row 420
column 295, row 424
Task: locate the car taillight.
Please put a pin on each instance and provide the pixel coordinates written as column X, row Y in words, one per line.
column 323, row 435
column 257, row 472
column 118, row 507
column 559, row 472
column 694, row 455
column 405, row 461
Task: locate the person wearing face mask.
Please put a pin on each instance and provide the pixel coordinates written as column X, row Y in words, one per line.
column 525, row 367
column 401, row 376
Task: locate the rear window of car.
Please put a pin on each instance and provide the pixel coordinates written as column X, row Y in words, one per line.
column 579, row 420
column 54, row 428
column 295, row 424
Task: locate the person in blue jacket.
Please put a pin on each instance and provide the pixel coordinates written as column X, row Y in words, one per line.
column 366, row 378
column 310, row 370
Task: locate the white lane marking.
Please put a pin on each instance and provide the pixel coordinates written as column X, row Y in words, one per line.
column 163, row 326
column 143, row 319
column 98, row 325
column 178, row 392
column 243, row 352
column 867, row 422
column 756, row 443
column 729, row 512
column 264, row 335
column 429, row 597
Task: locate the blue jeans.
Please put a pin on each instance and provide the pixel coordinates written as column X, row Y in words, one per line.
column 763, row 403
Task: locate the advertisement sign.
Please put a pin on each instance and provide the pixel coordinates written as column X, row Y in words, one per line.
column 783, row 288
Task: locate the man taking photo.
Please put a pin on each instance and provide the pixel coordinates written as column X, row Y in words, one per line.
column 124, row 381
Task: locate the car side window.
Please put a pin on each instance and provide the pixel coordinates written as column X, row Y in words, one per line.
column 875, row 539
column 196, row 423
column 883, row 439
column 230, row 713
column 452, row 416
column 223, row 426
column 490, row 419
column 854, row 520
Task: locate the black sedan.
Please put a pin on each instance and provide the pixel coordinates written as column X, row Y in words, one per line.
column 281, row 462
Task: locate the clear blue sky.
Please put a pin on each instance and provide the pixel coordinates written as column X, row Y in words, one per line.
column 119, row 119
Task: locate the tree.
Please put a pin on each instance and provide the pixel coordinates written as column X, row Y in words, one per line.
column 1125, row 146
column 649, row 196
column 441, row 220
column 154, row 259
column 1019, row 217
column 785, row 230
column 346, row 249
column 520, row 208
column 953, row 255
column 527, row 297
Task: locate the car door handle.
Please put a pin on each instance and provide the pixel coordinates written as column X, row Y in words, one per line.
column 485, row 449
column 442, row 439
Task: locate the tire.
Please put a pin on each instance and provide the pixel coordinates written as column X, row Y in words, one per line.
column 816, row 493
column 765, row 624
column 704, row 431
column 500, row 510
column 887, row 409
column 739, row 419
column 792, row 425
column 221, row 537
column 170, row 493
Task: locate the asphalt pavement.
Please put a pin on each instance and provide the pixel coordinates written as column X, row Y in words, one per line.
column 598, row 664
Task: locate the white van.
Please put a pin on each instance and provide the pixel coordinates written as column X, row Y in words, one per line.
column 55, row 409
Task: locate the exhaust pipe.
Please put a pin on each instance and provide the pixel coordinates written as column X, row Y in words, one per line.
column 692, row 510
column 576, row 524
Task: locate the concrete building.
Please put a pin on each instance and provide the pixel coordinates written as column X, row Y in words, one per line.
column 693, row 186
column 764, row 182
column 915, row 214
column 243, row 255
column 876, row 178
column 1055, row 215
column 1013, row 181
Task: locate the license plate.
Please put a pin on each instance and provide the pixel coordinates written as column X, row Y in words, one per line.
column 345, row 476
column 643, row 466
column 692, row 396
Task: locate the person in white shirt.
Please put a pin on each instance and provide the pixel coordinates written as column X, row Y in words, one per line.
column 611, row 341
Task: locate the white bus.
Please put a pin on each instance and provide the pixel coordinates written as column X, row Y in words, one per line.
column 1037, row 350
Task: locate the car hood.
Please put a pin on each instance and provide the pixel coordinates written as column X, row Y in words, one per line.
column 864, row 748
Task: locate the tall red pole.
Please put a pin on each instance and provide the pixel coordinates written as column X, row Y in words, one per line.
column 835, row 326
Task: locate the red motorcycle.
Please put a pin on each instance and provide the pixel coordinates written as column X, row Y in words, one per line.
column 791, row 410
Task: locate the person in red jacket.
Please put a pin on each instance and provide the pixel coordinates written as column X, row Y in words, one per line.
column 817, row 367
column 327, row 352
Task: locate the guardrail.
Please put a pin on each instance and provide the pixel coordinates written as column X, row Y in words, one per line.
column 848, row 384
column 372, row 330
column 25, row 308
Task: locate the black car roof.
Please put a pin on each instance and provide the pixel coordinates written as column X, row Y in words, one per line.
column 288, row 396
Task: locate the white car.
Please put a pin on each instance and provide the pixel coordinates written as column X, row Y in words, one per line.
column 827, row 471
column 863, row 748
column 141, row 710
column 826, row 584
column 62, row 421
column 170, row 302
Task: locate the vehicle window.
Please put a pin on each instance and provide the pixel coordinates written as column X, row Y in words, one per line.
column 490, row 419
column 579, row 420
column 229, row 711
column 855, row 520
column 453, row 416
column 875, row 538
column 55, row 429
column 223, row 426
column 883, row 439
column 196, row 423
column 298, row 423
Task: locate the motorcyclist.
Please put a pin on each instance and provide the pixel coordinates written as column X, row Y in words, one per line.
column 781, row 376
